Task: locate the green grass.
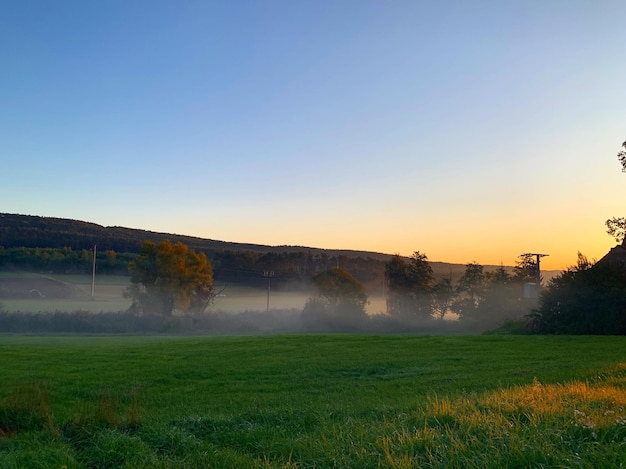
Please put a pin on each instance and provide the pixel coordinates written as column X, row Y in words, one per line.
column 313, row 401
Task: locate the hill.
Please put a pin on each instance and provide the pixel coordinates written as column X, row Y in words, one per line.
column 234, row 262
column 35, row 231
column 48, row 232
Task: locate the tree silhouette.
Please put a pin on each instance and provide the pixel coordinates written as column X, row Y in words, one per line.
column 410, row 286
column 584, row 299
column 621, row 156
column 616, row 227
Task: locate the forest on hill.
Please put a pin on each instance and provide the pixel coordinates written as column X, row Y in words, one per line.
column 66, row 246
column 63, row 245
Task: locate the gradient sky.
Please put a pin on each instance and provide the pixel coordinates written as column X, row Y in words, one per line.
column 470, row 131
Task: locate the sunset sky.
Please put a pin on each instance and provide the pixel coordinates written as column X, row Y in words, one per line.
column 469, row 131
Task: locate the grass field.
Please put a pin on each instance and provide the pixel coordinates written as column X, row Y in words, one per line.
column 349, row 401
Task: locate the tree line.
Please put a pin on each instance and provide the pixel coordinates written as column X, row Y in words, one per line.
column 240, row 267
column 171, row 279
column 64, row 260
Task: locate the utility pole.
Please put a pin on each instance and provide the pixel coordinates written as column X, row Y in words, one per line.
column 268, row 274
column 93, row 272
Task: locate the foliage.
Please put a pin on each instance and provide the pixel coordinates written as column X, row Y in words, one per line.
column 526, row 268
column 503, row 297
column 313, row 401
column 443, row 295
column 482, row 300
column 398, row 286
column 470, row 290
column 343, row 316
column 621, row 156
column 64, row 260
column 584, row 299
column 170, row 276
column 616, row 227
column 490, row 299
column 340, row 305
column 409, row 286
column 337, row 285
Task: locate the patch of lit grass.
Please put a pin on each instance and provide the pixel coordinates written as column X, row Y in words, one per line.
column 556, row 425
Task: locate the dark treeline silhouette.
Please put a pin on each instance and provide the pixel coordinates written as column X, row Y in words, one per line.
column 33, row 231
column 588, row 298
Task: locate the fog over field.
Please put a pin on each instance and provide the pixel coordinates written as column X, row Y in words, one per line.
column 33, row 293
column 41, row 303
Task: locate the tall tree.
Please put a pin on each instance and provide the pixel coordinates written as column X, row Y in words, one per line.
column 621, row 156
column 170, row 276
column 470, row 290
column 616, row 226
column 526, row 268
column 399, row 297
column 443, row 295
column 410, row 284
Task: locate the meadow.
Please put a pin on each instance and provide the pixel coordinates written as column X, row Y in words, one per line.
column 312, row 401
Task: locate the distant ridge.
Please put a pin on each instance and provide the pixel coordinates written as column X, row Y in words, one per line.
column 33, row 231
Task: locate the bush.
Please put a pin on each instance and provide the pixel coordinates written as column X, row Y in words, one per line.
column 321, row 315
column 584, row 301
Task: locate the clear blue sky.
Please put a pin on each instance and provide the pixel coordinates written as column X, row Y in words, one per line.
column 470, row 131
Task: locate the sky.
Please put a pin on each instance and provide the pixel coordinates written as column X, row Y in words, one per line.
column 468, row 131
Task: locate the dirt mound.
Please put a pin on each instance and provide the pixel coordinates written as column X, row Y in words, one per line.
column 35, row 287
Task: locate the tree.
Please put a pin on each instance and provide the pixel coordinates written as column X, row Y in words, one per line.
column 399, row 298
column 443, row 295
column 470, row 290
column 410, row 283
column 584, row 299
column 526, row 269
column 170, row 276
column 503, row 297
column 621, row 156
column 616, row 227
column 338, row 285
column 341, row 302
